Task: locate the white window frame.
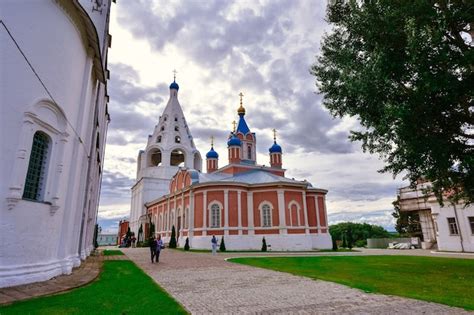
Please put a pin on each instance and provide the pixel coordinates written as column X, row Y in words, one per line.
column 453, row 226
column 209, row 209
column 260, row 208
column 298, row 213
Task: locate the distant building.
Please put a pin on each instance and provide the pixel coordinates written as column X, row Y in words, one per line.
column 53, row 120
column 107, row 239
column 122, row 230
column 242, row 201
column 448, row 228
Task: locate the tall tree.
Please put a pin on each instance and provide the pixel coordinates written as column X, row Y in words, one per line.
column 405, row 70
column 173, row 238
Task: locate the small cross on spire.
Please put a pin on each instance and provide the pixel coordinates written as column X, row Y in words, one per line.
column 274, row 134
column 234, row 124
column 174, row 75
column 212, row 141
column 241, row 95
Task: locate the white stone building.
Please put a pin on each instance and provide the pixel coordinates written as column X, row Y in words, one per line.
column 448, row 228
column 170, row 146
column 53, row 120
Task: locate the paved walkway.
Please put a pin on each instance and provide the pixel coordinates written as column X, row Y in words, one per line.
column 88, row 271
column 206, row 284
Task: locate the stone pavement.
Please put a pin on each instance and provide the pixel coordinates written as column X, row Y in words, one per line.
column 206, row 284
column 88, row 271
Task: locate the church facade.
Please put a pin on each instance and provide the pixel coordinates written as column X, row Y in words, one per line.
column 54, row 118
column 242, row 201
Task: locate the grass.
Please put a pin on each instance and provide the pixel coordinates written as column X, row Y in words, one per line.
column 442, row 280
column 122, row 288
column 112, row 252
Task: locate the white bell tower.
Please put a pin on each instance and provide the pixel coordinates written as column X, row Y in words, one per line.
column 169, row 147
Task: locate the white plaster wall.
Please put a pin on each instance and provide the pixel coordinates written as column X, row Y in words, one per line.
column 446, row 241
column 37, row 243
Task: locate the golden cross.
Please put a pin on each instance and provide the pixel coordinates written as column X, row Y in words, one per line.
column 241, row 95
column 234, row 124
column 274, row 134
column 212, row 141
column 174, row 72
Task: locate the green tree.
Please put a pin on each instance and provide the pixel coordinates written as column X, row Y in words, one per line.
column 186, row 245
column 264, row 244
column 349, row 237
column 334, row 244
column 129, row 233
column 173, row 238
column 405, row 70
column 222, row 246
column 360, row 232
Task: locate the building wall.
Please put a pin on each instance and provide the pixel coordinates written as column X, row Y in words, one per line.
column 53, row 35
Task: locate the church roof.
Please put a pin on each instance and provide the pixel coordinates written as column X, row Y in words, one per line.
column 242, row 126
column 256, row 176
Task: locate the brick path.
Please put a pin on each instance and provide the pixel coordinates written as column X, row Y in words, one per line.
column 88, row 271
column 206, row 284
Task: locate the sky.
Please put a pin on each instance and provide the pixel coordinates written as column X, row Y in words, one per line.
column 263, row 49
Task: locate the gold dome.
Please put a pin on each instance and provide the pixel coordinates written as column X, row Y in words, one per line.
column 241, row 110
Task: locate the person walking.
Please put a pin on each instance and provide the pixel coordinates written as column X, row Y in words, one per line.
column 159, row 247
column 214, row 244
column 152, row 248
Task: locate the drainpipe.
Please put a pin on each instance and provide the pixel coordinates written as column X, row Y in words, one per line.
column 459, row 226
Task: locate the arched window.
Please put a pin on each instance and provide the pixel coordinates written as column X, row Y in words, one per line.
column 162, row 128
column 165, row 118
column 177, row 157
column 215, row 216
column 176, row 128
column 36, row 176
column 158, row 139
column 154, row 157
column 249, row 152
column 186, row 218
column 176, row 119
column 266, row 215
column 177, row 139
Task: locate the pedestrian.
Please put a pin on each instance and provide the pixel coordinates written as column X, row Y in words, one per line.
column 159, row 247
column 214, row 244
column 134, row 239
column 152, row 248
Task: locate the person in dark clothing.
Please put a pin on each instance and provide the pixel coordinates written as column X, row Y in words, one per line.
column 152, row 248
column 159, row 247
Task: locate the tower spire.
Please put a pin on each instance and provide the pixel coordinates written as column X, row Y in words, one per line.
column 174, row 75
column 212, row 141
column 274, row 135
column 241, row 110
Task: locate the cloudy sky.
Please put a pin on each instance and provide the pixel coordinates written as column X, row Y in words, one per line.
column 220, row 48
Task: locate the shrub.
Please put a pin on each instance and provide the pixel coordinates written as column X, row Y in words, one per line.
column 173, row 238
column 264, row 245
column 222, row 246
column 186, row 246
column 334, row 244
column 360, row 243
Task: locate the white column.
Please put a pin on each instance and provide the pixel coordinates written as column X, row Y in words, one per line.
column 325, row 213
column 226, row 212
column 239, row 211
column 250, row 213
column 281, row 211
column 305, row 209
column 317, row 213
column 204, row 213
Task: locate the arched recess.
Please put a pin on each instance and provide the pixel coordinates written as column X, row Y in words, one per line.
column 197, row 164
column 294, row 210
column 154, row 157
column 177, row 157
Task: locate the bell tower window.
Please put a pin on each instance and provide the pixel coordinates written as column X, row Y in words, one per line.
column 249, row 152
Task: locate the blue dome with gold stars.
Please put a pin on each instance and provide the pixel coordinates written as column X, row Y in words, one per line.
column 174, row 85
column 275, row 148
column 212, row 154
column 234, row 141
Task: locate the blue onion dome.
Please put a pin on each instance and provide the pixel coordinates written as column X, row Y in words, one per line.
column 212, row 154
column 234, row 141
column 174, row 85
column 275, row 148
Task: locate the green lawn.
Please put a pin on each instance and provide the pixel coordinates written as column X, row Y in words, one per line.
column 122, row 288
column 442, row 280
column 112, row 252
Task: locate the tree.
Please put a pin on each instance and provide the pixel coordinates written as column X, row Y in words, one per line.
column 264, row 245
column 129, row 233
column 405, row 70
column 360, row 232
column 186, row 245
column 349, row 237
column 344, row 241
column 96, row 236
column 173, row 238
column 222, row 246
column 334, row 244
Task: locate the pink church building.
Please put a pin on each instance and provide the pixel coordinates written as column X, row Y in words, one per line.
column 243, row 202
